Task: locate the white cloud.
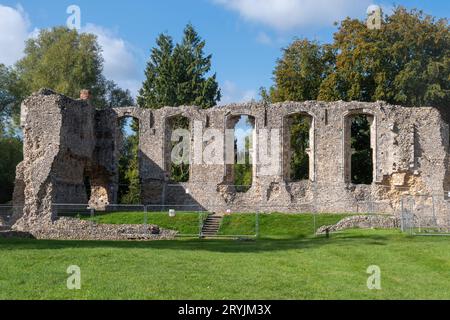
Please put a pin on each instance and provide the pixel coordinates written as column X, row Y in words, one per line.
column 231, row 93
column 120, row 62
column 289, row 14
column 14, row 31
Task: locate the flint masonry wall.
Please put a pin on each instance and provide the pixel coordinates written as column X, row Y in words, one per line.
column 66, row 139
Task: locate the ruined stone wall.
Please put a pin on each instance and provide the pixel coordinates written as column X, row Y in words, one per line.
column 65, row 138
column 59, row 142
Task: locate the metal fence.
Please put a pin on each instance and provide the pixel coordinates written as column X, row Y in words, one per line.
column 185, row 219
column 6, row 215
column 193, row 220
column 425, row 215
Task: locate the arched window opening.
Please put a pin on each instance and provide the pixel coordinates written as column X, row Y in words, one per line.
column 178, row 148
column 360, row 153
column 129, row 191
column 298, row 158
column 241, row 172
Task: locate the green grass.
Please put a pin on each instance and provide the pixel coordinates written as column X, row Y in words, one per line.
column 271, row 226
column 277, row 225
column 186, row 223
column 288, row 266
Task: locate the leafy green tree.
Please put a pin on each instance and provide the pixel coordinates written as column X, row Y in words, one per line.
column 179, row 172
column 158, row 90
column 129, row 181
column 177, row 75
column 300, row 72
column 362, row 163
column 60, row 59
column 407, row 62
column 192, row 67
column 11, row 155
column 67, row 61
column 10, row 97
column 243, row 172
column 63, row 60
column 10, row 143
column 116, row 97
column 300, row 127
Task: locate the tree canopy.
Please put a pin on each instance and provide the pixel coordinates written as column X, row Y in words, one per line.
column 10, row 97
column 301, row 70
column 406, row 62
column 178, row 74
column 68, row 61
column 60, row 59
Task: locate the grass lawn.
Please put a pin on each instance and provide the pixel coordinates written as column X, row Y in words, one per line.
column 271, row 226
column 277, row 225
column 286, row 267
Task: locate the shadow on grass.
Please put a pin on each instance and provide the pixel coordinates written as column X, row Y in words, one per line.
column 353, row 237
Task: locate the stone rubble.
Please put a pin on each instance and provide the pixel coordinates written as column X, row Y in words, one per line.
column 362, row 222
column 75, row 229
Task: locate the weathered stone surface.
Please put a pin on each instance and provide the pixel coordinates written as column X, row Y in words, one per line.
column 75, row 229
column 362, row 222
column 66, row 140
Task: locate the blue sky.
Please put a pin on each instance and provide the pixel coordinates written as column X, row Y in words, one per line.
column 244, row 36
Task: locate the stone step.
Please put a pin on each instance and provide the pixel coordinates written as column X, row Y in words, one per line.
column 211, row 226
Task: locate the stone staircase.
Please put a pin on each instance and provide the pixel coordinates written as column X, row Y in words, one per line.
column 211, row 226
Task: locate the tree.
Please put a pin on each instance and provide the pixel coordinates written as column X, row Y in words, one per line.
column 67, row 62
column 129, row 182
column 407, row 62
column 300, row 127
column 63, row 60
column 10, row 97
column 300, row 72
column 115, row 97
column 191, row 67
column 179, row 172
column 362, row 164
column 177, row 75
column 59, row 59
column 243, row 172
column 10, row 143
column 11, row 155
